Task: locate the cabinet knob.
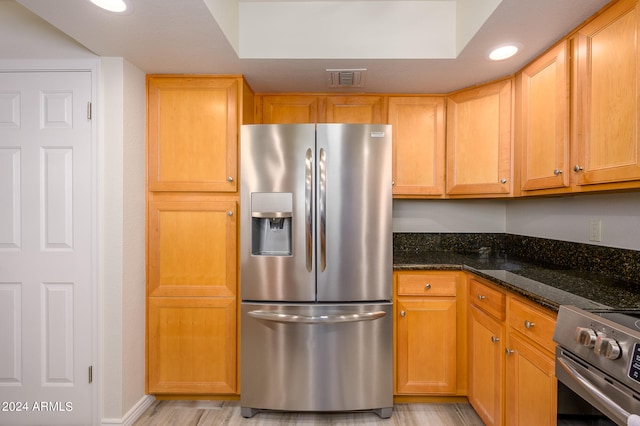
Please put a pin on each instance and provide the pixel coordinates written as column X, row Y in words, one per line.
column 427, row 286
column 577, row 168
column 229, row 213
column 557, row 172
column 529, row 324
column 403, row 313
column 503, row 181
column 508, row 351
column 495, row 339
column 481, row 297
column 230, row 178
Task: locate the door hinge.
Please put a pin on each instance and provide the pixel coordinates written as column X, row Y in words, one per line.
column 89, row 110
column 90, row 373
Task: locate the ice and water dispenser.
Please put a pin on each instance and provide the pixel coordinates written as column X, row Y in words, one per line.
column 271, row 227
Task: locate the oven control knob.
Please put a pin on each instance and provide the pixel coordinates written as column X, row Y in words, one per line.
column 607, row 347
column 586, row 337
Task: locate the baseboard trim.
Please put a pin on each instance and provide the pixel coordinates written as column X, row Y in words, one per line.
column 133, row 414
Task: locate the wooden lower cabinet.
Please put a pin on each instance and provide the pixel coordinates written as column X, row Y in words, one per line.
column 428, row 324
column 192, row 345
column 426, row 346
column 531, row 385
column 486, row 366
column 511, row 362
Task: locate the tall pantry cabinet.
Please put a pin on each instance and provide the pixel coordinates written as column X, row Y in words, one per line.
column 192, row 228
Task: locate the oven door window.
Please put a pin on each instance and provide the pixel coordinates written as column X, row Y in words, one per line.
column 573, row 410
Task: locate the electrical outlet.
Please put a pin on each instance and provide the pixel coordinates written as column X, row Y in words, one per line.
column 595, row 230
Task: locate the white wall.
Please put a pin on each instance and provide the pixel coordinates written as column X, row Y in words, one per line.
column 449, row 216
column 560, row 218
column 111, row 119
column 133, row 237
column 123, row 130
column 568, row 218
column 23, row 35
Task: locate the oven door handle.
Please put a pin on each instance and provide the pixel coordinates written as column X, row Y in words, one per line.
column 620, row 412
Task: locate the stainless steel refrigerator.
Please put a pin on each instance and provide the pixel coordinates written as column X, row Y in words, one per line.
column 316, row 268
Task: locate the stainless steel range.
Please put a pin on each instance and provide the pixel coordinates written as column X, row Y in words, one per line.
column 598, row 360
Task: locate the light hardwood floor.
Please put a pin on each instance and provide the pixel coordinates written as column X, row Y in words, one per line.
column 214, row 413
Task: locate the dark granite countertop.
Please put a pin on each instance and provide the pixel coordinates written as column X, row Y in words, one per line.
column 548, row 286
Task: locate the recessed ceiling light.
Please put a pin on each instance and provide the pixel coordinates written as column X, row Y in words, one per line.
column 111, row 5
column 504, row 51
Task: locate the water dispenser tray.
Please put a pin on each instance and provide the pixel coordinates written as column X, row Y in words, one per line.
column 268, row 215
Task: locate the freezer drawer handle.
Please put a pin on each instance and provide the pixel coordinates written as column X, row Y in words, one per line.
column 316, row 319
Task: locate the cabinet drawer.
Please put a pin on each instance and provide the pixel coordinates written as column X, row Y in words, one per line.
column 426, row 285
column 532, row 322
column 488, row 299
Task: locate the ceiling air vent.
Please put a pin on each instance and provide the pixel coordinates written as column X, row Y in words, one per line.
column 346, row 78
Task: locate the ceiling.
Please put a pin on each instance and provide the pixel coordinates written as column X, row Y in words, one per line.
column 183, row 36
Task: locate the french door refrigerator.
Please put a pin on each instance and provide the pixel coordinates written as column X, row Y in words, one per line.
column 316, row 268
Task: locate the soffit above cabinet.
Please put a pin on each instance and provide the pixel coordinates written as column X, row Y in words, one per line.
column 420, row 46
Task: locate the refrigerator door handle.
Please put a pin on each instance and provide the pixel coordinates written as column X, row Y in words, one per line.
column 308, row 208
column 322, row 204
column 316, row 319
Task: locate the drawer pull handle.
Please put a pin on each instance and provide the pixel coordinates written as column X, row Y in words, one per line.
column 509, row 351
column 528, row 324
column 427, row 286
column 403, row 314
column 481, row 297
column 495, row 339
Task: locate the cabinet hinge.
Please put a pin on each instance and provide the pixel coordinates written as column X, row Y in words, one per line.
column 89, row 110
column 90, row 373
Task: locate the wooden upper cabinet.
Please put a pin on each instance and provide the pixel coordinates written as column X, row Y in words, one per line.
column 355, row 109
column 606, row 96
column 544, row 102
column 418, row 145
column 479, row 140
column 192, row 133
column 291, row 109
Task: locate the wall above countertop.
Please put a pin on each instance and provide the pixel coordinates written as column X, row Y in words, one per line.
column 565, row 218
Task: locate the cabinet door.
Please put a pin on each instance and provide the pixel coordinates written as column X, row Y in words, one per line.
column 479, row 140
column 545, row 121
column 355, row 109
column 486, row 366
column 192, row 133
column 426, row 346
column 418, row 145
column 290, row 109
column 192, row 248
column 192, row 345
column 606, row 53
column 531, row 385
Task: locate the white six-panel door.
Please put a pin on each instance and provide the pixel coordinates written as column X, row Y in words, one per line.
column 45, row 248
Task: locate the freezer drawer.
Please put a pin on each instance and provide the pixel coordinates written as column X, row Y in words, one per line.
column 317, row 357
